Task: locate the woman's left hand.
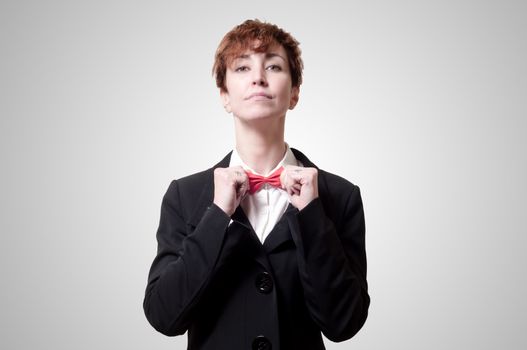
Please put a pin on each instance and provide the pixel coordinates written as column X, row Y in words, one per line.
column 301, row 184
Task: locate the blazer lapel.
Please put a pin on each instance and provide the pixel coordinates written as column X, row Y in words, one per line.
column 279, row 235
column 254, row 249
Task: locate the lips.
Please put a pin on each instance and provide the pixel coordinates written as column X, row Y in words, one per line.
column 259, row 95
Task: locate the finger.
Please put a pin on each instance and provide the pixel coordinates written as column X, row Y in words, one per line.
column 238, row 168
column 295, row 184
column 295, row 190
column 244, row 187
column 297, row 187
column 303, row 179
column 238, row 174
column 244, row 180
column 288, row 185
column 296, row 175
column 236, row 171
column 292, row 168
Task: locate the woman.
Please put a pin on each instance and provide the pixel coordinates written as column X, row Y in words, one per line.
column 263, row 250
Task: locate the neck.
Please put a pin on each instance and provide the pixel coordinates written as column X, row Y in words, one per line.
column 260, row 143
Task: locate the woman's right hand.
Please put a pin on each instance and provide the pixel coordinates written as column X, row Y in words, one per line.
column 230, row 186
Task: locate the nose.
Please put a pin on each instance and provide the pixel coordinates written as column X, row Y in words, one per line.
column 259, row 78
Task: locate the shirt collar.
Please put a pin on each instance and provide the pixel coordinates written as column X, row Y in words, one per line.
column 288, row 159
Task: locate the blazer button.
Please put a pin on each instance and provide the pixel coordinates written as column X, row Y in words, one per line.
column 264, row 283
column 261, row 343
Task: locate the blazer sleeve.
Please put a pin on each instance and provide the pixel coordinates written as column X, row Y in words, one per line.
column 183, row 265
column 332, row 265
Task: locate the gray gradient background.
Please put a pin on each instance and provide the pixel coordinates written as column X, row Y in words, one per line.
column 420, row 103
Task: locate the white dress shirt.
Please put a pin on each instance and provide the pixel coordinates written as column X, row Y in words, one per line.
column 266, row 206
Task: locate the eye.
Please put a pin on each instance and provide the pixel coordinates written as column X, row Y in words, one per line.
column 274, row 67
column 241, row 69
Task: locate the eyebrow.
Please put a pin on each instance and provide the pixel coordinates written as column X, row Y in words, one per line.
column 267, row 55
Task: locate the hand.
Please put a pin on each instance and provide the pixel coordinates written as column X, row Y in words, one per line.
column 230, row 186
column 301, row 184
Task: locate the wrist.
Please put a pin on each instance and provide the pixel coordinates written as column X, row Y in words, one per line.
column 226, row 209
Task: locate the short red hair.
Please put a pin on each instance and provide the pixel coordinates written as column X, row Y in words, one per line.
column 239, row 39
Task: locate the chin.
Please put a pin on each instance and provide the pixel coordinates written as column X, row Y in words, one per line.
column 260, row 114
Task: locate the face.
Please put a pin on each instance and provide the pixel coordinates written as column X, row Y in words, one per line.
column 258, row 85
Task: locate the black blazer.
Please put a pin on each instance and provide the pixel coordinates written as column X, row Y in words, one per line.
column 218, row 281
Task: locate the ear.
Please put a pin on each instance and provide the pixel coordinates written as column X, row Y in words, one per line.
column 295, row 95
column 225, row 100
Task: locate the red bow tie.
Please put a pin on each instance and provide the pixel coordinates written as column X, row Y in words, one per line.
column 256, row 181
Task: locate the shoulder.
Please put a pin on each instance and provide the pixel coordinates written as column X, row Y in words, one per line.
column 336, row 183
column 191, row 195
column 191, row 185
column 339, row 196
column 330, row 184
column 190, row 188
column 193, row 181
column 335, row 187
